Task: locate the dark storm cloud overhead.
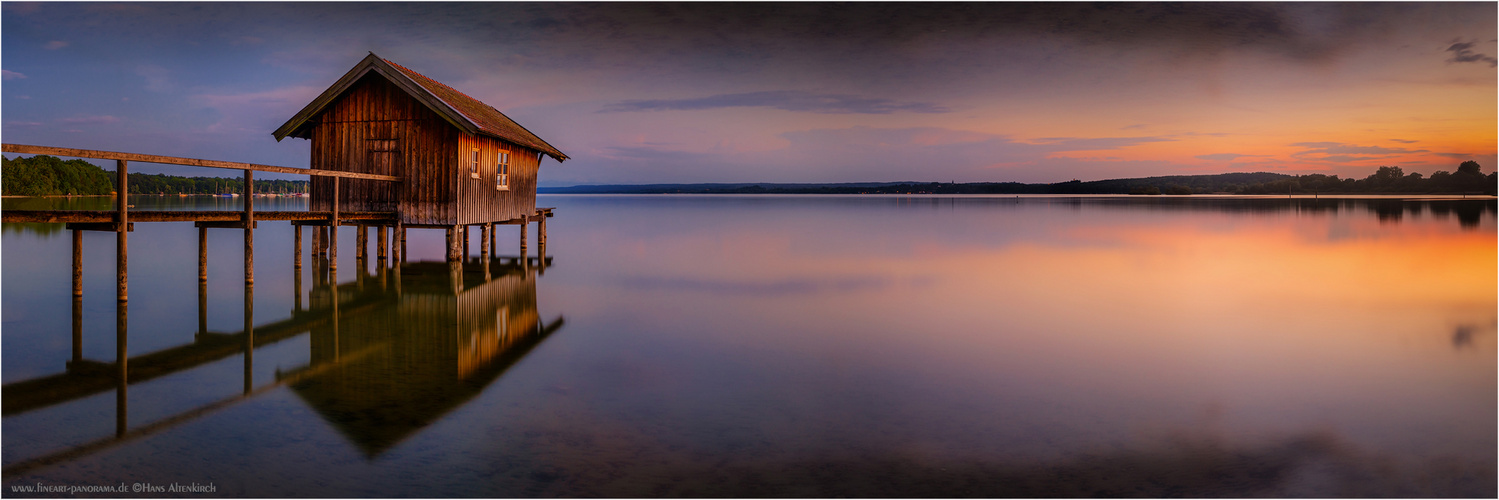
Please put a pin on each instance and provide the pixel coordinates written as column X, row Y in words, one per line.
column 789, row 100
column 1463, row 52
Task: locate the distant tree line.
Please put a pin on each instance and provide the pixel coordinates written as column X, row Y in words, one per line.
column 43, row 175
column 1468, row 179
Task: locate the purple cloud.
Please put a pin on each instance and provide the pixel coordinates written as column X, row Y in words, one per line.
column 788, row 100
column 1462, row 52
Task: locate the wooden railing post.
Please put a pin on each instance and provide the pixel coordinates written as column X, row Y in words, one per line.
column 333, row 232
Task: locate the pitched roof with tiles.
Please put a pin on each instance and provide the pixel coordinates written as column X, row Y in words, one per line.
column 457, row 108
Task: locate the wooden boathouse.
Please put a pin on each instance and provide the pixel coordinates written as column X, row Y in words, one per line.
column 463, row 163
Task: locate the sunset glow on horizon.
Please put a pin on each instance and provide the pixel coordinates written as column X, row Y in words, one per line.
column 680, row 93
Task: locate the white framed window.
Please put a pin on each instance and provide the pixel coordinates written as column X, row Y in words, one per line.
column 502, row 171
column 473, row 164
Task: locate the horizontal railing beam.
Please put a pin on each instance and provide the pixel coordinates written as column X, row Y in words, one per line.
column 79, row 216
column 192, row 162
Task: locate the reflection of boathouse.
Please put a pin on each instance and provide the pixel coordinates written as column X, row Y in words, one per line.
column 396, row 368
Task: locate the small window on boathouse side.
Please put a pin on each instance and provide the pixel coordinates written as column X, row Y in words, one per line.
column 473, row 164
column 502, row 171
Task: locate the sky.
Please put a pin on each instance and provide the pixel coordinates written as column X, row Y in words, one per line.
column 802, row 92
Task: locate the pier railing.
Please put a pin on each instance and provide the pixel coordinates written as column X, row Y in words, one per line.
column 82, row 221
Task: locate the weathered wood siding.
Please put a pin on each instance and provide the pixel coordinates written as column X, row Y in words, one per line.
column 377, row 128
column 479, row 201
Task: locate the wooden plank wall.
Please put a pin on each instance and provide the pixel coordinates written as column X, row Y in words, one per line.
column 479, row 201
column 376, row 128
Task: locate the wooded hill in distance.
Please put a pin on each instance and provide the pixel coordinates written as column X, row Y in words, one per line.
column 1386, row 180
column 43, row 175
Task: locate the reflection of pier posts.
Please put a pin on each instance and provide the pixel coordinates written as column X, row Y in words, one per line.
column 455, row 276
column 249, row 227
column 333, row 288
column 202, row 307
column 77, row 329
column 249, row 337
column 121, row 370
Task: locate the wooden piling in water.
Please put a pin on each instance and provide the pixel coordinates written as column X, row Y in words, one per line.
column 77, row 263
column 297, row 248
column 202, row 254
column 122, row 228
column 398, row 243
column 202, row 307
column 523, row 225
column 361, row 236
column 464, row 235
column 484, row 248
column 249, row 227
column 380, row 249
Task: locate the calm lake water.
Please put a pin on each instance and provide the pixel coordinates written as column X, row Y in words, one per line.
column 780, row 346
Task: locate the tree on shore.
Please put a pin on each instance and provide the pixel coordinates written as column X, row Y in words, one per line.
column 43, row 175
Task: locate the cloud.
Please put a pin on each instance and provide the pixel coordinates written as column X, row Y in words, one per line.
column 255, row 112
column 1060, row 144
column 55, row 44
column 1226, row 156
column 90, row 120
column 788, row 100
column 1326, row 148
column 1459, row 156
column 157, row 77
column 24, row 124
column 10, row 75
column 1403, row 141
column 1463, row 52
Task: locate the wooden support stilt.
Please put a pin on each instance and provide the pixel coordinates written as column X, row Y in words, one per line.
column 249, row 227
column 484, row 248
column 455, row 246
column 382, row 245
column 297, row 247
column 494, row 250
column 362, row 237
column 464, row 235
column 77, row 263
column 398, row 243
column 202, row 254
column 541, row 244
column 122, row 228
column 333, row 232
column 317, row 243
column 523, row 226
